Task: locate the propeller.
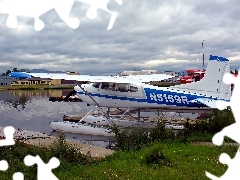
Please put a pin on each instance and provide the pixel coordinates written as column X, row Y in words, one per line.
column 73, row 92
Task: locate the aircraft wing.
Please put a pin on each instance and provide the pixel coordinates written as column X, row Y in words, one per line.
column 149, row 78
column 56, row 76
column 117, row 79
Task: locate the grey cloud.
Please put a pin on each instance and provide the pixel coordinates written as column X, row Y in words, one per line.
column 143, row 31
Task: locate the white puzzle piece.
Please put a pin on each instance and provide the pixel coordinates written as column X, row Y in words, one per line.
column 231, row 131
column 36, row 8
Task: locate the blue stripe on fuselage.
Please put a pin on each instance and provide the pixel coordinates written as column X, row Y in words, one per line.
column 164, row 97
column 116, row 97
column 171, row 98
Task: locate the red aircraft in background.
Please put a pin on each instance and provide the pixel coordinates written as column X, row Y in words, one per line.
column 197, row 75
column 193, row 75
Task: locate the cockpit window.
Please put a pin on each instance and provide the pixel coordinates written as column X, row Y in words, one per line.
column 108, row 86
column 133, row 89
column 127, row 88
column 122, row 87
column 96, row 84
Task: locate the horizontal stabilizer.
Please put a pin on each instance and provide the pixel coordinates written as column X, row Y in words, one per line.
column 206, row 101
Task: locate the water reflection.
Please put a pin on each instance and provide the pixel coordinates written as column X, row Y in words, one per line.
column 19, row 103
column 32, row 110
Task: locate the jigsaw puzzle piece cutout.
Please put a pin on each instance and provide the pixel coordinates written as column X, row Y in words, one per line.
column 229, row 131
column 228, row 78
column 114, row 5
column 27, row 8
column 231, row 79
column 221, row 105
column 3, row 165
column 233, row 167
column 44, row 170
column 101, row 4
column 232, row 130
column 36, row 8
column 18, row 176
column 8, row 132
column 63, row 9
column 7, row 7
column 234, row 103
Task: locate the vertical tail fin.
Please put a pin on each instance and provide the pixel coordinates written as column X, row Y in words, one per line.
column 212, row 83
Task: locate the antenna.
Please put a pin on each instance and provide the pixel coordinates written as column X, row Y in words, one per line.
column 203, row 52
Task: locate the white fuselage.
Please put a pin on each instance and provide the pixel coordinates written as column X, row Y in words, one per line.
column 135, row 96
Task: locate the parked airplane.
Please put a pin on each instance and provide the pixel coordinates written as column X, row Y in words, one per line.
column 119, row 92
column 130, row 91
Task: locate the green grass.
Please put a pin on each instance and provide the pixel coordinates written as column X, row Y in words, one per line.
column 158, row 161
column 183, row 162
column 158, row 154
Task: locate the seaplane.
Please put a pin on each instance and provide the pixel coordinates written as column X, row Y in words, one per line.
column 136, row 92
column 88, row 120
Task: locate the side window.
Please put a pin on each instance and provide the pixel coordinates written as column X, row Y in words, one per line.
column 133, row 89
column 105, row 85
column 127, row 88
column 122, row 87
column 112, row 86
column 96, row 84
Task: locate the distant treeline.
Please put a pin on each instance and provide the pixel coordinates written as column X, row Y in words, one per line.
column 14, row 70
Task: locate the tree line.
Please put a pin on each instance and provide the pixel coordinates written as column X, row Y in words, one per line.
column 14, row 70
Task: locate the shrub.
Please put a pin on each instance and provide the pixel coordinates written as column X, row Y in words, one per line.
column 132, row 139
column 62, row 150
column 155, row 156
column 158, row 133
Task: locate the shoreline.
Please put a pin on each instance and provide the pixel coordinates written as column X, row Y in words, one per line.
column 36, row 87
column 61, row 86
column 44, row 140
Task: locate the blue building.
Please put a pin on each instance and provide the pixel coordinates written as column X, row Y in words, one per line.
column 6, row 80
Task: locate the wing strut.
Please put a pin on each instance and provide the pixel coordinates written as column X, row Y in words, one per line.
column 87, row 114
column 96, row 105
column 122, row 115
column 124, row 112
column 86, row 93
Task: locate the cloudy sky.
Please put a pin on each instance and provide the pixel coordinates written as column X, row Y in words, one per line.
column 147, row 34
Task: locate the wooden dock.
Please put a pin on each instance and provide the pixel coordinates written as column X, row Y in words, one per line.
column 170, row 120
